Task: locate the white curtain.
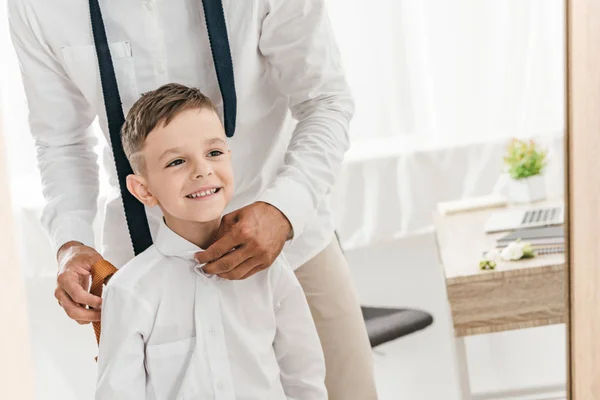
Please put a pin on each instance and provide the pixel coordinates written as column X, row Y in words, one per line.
column 440, row 73
column 440, row 87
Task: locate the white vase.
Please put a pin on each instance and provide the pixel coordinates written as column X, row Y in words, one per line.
column 527, row 190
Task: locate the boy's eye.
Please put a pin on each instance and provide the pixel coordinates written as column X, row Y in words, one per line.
column 175, row 163
column 215, row 153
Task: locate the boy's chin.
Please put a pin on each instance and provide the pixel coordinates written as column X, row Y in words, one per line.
column 206, row 219
column 196, row 217
column 207, row 216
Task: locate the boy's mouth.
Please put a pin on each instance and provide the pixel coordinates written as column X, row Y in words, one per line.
column 203, row 193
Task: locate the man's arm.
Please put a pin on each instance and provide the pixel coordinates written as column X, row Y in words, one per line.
column 299, row 44
column 297, row 40
column 59, row 119
column 297, row 346
column 121, row 371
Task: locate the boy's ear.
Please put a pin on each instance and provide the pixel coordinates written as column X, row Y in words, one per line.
column 138, row 187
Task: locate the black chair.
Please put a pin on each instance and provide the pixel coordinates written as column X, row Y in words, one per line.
column 387, row 324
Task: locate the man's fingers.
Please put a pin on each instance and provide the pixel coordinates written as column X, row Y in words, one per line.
column 228, row 262
column 242, row 271
column 76, row 311
column 79, row 295
column 218, row 249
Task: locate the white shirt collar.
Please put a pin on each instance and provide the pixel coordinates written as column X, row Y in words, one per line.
column 170, row 244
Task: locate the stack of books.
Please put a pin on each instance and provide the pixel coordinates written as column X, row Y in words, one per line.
column 544, row 240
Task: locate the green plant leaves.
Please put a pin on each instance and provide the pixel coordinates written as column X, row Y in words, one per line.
column 524, row 159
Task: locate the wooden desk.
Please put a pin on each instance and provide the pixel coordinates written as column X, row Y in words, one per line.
column 515, row 295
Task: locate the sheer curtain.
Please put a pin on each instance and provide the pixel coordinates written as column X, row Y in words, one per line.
column 440, row 87
column 440, row 73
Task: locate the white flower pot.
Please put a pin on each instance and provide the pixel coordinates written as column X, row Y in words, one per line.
column 527, row 190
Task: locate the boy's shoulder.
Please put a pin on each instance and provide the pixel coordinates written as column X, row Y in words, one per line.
column 133, row 272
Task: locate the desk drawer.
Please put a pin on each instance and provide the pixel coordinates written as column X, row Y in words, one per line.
column 508, row 301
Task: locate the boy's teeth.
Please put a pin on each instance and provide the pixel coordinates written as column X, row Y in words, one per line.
column 203, row 193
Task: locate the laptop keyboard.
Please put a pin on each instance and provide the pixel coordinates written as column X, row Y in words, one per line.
column 542, row 216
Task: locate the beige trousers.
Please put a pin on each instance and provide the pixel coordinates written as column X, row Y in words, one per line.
column 335, row 309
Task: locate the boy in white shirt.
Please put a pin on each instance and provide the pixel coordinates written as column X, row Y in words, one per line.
column 170, row 331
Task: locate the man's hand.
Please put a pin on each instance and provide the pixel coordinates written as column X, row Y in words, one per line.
column 255, row 233
column 75, row 262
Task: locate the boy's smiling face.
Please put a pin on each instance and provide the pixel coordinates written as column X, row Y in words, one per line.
column 187, row 168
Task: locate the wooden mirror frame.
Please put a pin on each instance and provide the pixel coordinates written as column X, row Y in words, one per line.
column 583, row 197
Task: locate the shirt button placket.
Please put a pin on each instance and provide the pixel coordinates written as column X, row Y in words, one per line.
column 207, row 305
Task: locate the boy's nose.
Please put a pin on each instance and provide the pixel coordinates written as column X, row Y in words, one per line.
column 202, row 170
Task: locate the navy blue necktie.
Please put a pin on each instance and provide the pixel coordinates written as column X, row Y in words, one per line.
column 135, row 214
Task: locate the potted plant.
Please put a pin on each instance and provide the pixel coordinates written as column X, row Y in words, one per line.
column 525, row 163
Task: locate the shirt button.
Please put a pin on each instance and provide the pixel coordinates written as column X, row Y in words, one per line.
column 161, row 68
column 213, row 331
column 220, row 385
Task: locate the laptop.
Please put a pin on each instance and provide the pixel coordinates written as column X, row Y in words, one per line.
column 529, row 217
column 542, row 236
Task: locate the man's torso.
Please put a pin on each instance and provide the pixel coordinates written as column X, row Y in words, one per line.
column 155, row 42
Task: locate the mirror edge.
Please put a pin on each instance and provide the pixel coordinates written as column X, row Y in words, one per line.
column 583, row 197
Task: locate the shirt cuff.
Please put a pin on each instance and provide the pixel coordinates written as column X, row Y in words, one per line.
column 293, row 200
column 67, row 229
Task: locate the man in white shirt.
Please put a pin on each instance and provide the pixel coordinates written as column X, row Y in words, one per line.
column 169, row 329
column 285, row 59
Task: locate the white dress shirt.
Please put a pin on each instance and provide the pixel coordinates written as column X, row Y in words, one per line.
column 284, row 57
column 169, row 331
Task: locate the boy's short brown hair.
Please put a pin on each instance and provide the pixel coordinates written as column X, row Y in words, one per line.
column 156, row 107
